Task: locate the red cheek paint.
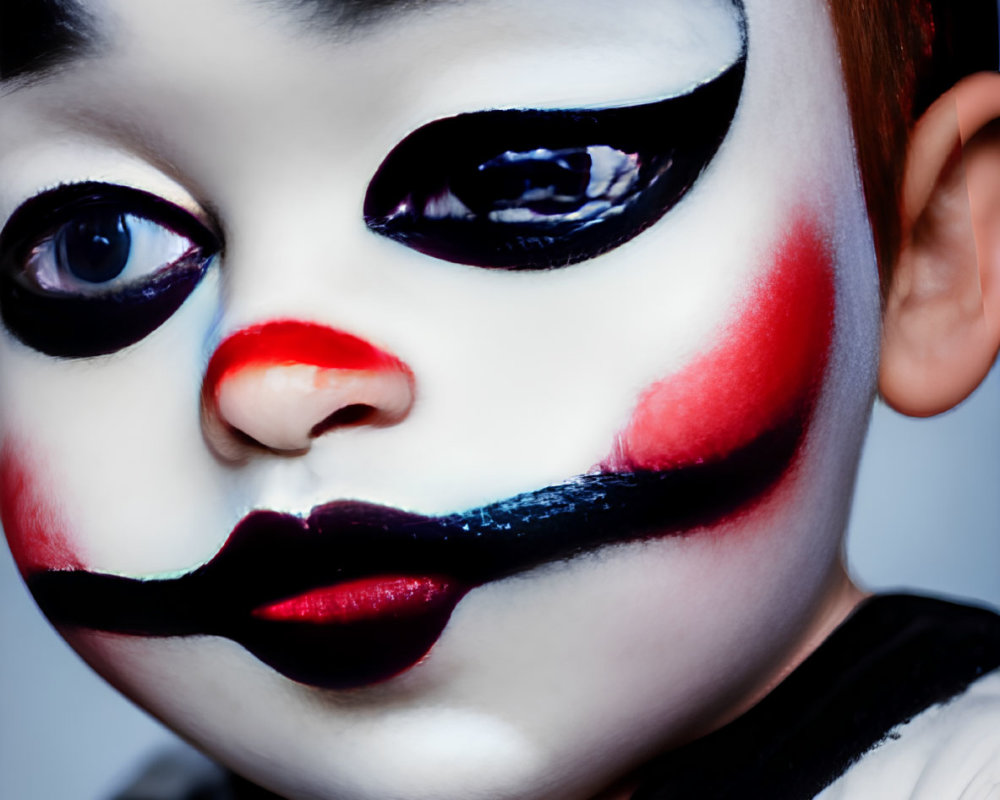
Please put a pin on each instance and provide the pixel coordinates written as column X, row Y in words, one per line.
column 767, row 369
column 34, row 531
column 289, row 342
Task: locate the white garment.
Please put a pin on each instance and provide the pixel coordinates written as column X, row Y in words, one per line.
column 951, row 751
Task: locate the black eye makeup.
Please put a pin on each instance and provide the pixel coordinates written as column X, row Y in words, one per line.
column 532, row 189
column 87, row 269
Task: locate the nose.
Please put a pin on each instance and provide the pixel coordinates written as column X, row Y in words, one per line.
column 280, row 385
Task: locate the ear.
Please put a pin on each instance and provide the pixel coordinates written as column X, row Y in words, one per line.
column 941, row 329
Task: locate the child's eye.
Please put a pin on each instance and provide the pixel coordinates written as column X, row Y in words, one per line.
column 541, row 189
column 90, row 268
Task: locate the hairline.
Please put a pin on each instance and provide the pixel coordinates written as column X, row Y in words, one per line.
column 75, row 34
column 51, row 34
column 347, row 16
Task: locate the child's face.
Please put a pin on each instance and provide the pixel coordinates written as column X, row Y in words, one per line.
column 724, row 355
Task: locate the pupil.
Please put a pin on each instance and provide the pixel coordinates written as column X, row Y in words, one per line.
column 94, row 247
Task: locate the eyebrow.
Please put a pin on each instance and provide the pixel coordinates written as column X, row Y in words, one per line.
column 350, row 15
column 38, row 37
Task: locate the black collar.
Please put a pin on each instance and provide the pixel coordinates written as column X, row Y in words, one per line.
column 894, row 657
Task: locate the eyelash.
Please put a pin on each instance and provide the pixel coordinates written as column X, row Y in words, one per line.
column 530, row 190
column 514, row 190
column 57, row 310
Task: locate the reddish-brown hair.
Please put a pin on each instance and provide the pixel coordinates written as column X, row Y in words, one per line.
column 898, row 56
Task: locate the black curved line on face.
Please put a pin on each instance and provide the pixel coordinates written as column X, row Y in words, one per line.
column 71, row 325
column 673, row 140
column 271, row 556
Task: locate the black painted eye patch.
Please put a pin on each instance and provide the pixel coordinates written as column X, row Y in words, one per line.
column 77, row 324
column 531, row 189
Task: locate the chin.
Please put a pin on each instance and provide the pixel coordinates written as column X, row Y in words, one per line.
column 514, row 700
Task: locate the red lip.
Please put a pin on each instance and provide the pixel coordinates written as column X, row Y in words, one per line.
column 364, row 599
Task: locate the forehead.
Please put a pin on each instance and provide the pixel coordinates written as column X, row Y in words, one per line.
column 49, row 35
column 214, row 92
column 47, row 23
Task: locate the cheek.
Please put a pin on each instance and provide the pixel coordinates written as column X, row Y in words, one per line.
column 34, row 531
column 766, row 371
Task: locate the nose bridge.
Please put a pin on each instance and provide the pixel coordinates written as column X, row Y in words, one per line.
column 280, row 384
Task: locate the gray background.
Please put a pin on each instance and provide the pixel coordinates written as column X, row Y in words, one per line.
column 926, row 515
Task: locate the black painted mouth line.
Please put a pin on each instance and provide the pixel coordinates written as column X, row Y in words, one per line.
column 272, row 556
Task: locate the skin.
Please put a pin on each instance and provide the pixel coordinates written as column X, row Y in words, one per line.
column 659, row 641
column 942, row 328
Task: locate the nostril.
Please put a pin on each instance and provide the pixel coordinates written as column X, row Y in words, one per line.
column 281, row 384
column 354, row 414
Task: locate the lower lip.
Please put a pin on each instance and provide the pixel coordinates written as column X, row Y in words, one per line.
column 362, row 600
column 353, row 633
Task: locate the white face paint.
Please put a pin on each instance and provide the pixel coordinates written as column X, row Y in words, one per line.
column 658, row 354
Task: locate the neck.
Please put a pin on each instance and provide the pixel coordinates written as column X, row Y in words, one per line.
column 838, row 601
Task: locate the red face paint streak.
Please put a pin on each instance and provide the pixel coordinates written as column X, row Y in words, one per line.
column 358, row 600
column 34, row 531
column 293, row 342
column 768, row 368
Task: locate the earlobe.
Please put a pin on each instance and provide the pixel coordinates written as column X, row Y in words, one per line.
column 941, row 328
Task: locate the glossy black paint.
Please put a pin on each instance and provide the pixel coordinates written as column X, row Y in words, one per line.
column 673, row 140
column 68, row 326
column 85, row 324
column 272, row 556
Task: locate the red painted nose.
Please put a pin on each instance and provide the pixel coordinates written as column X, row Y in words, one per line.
column 281, row 384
